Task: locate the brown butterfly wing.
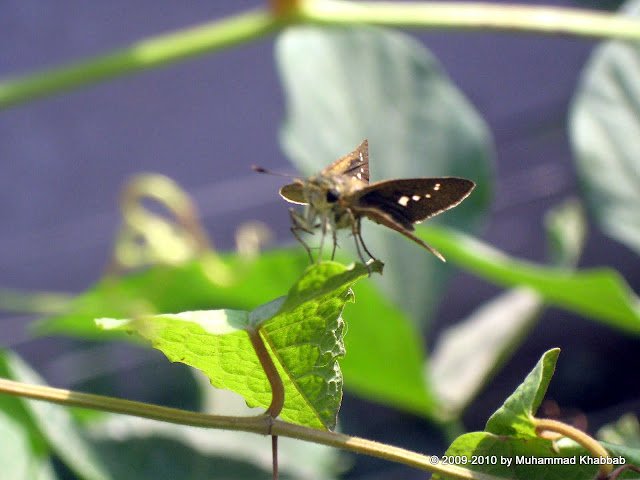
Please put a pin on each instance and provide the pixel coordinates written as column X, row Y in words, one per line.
column 294, row 193
column 355, row 164
column 412, row 200
column 385, row 219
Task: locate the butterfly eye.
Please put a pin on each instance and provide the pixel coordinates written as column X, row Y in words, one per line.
column 332, row 196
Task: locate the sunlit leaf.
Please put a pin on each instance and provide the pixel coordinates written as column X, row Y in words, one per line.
column 304, row 330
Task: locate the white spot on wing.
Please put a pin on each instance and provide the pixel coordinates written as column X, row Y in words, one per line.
column 436, row 187
column 403, row 200
column 428, row 195
column 415, row 198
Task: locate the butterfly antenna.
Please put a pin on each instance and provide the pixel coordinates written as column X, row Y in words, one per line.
column 270, row 172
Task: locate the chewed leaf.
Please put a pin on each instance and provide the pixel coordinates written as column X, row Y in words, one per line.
column 325, row 278
column 303, row 332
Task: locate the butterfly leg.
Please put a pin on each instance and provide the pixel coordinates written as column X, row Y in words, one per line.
column 300, row 224
column 324, row 234
column 335, row 243
column 355, row 229
column 363, row 244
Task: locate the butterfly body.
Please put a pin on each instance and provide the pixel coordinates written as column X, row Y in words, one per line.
column 326, row 199
column 341, row 195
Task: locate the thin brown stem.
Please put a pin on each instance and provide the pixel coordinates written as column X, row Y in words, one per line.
column 277, row 388
column 274, row 455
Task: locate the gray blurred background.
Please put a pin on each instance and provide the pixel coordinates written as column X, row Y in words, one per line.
column 204, row 122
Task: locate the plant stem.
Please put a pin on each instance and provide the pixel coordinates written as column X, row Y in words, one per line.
column 544, row 425
column 472, row 16
column 262, row 424
column 143, row 55
column 232, row 31
column 275, row 382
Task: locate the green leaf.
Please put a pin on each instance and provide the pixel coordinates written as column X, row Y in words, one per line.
column 515, row 415
column 236, row 283
column 50, row 427
column 506, row 457
column 303, row 330
column 598, row 293
column 322, row 279
column 509, row 440
column 376, row 324
column 604, row 123
column 24, row 452
column 344, row 85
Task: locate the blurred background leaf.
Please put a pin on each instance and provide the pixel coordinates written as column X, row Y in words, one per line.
column 49, row 428
column 604, row 128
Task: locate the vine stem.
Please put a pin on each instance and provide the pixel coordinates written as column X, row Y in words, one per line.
column 144, row 55
column 227, row 32
column 551, row 429
column 262, row 424
column 473, row 16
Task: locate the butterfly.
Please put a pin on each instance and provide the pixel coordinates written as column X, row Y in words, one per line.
column 340, row 196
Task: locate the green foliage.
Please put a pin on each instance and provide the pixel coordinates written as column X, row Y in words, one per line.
column 515, row 415
column 341, row 86
column 376, row 324
column 304, row 331
column 625, row 431
column 233, row 282
column 134, row 448
column 598, row 293
column 378, row 331
column 510, row 434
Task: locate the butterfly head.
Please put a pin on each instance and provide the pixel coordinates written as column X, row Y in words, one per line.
column 327, row 192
